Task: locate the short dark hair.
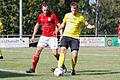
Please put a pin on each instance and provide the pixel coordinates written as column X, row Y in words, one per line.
column 74, row 4
column 45, row 4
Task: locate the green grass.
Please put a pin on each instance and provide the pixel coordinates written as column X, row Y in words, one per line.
column 94, row 63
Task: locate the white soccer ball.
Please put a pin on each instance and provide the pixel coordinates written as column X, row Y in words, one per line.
column 58, row 72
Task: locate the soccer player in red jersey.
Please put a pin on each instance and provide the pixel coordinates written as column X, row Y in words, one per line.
column 48, row 20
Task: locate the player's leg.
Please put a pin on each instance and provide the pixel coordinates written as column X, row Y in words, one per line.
column 41, row 44
column 56, row 55
column 52, row 42
column 74, row 61
column 54, row 47
column 62, row 57
column 1, row 57
column 74, row 48
column 35, row 60
column 63, row 50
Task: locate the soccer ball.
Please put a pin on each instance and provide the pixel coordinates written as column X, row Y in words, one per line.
column 58, row 72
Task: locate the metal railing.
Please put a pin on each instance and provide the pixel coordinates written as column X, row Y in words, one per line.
column 16, row 36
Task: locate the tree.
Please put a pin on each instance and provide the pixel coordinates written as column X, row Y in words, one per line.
column 9, row 14
column 109, row 12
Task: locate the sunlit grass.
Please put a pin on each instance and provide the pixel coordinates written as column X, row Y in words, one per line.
column 94, row 63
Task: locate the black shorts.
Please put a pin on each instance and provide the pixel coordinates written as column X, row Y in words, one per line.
column 70, row 42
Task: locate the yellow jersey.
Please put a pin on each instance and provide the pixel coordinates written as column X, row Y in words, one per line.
column 1, row 27
column 73, row 25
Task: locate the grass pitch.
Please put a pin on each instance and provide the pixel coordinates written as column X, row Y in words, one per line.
column 94, row 63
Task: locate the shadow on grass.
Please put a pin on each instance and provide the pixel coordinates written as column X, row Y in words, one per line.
column 14, row 59
column 8, row 74
column 96, row 72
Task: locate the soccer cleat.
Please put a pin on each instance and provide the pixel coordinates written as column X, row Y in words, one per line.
column 1, row 57
column 64, row 68
column 52, row 69
column 30, row 71
column 73, row 72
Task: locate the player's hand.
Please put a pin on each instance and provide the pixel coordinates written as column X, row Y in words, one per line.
column 32, row 39
column 55, row 33
column 1, row 30
column 91, row 26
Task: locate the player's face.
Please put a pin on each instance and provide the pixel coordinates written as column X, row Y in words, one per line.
column 45, row 10
column 74, row 9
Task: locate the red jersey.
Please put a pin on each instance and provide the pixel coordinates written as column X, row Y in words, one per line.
column 118, row 31
column 48, row 23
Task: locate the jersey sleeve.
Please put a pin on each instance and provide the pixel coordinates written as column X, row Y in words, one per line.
column 82, row 19
column 56, row 19
column 39, row 19
column 64, row 19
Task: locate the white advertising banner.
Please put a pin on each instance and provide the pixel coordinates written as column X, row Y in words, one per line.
column 92, row 41
column 14, row 42
column 118, row 40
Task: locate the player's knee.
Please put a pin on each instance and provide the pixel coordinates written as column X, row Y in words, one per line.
column 63, row 50
column 75, row 53
column 55, row 54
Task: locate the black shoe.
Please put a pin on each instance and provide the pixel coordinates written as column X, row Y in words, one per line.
column 1, row 57
column 64, row 68
column 30, row 71
column 52, row 69
column 73, row 72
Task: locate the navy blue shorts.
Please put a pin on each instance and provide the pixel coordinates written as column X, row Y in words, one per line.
column 70, row 42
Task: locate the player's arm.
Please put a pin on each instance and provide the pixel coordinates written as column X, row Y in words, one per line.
column 59, row 32
column 62, row 25
column 1, row 30
column 89, row 25
column 59, row 27
column 35, row 31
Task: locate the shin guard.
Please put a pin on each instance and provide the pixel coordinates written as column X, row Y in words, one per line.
column 34, row 62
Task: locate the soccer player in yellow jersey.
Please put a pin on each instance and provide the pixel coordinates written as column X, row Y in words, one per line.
column 72, row 26
column 1, row 29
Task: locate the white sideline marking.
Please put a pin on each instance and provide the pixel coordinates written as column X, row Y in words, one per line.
column 20, row 72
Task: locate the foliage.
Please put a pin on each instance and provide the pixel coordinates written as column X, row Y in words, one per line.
column 109, row 14
column 9, row 14
column 31, row 10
